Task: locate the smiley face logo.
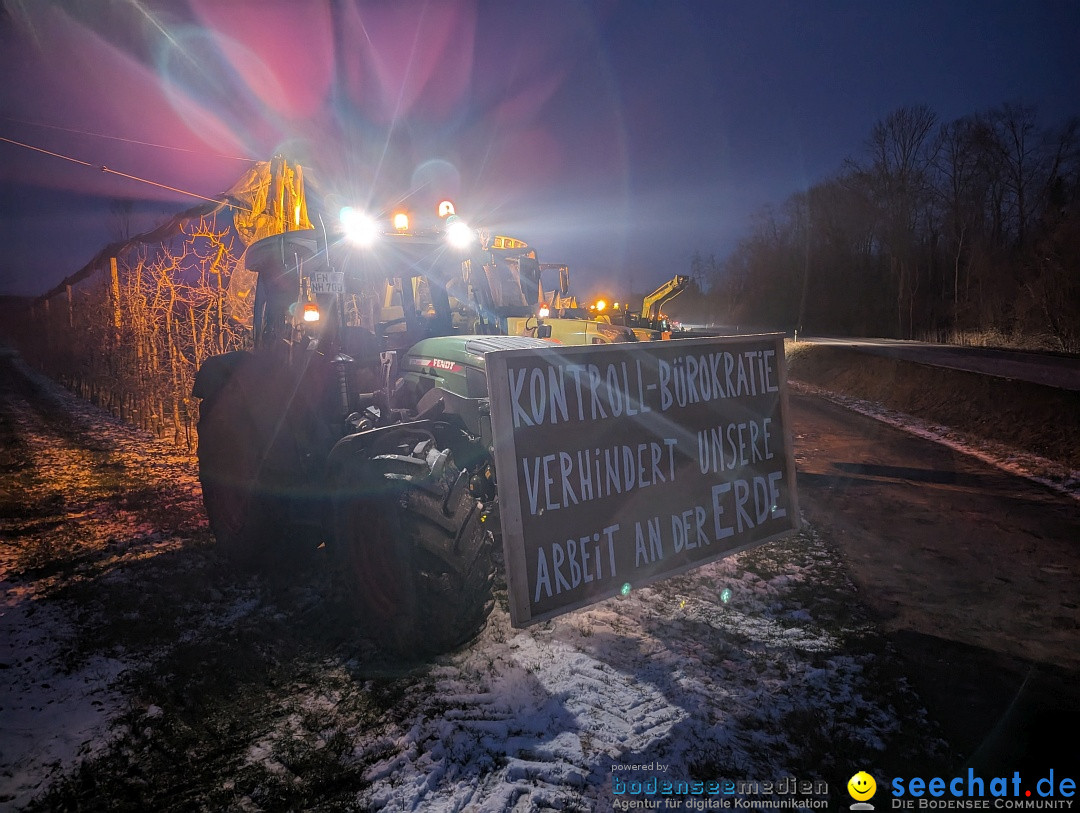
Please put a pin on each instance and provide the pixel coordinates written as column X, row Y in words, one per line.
column 861, row 786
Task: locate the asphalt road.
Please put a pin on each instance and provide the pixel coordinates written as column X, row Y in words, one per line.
column 1039, row 368
column 973, row 573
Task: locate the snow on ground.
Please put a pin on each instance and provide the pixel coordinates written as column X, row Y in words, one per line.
column 51, row 716
column 754, row 668
column 56, row 712
column 1038, row 469
column 741, row 670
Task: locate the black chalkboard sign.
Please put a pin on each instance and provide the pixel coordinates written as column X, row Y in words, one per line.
column 620, row 464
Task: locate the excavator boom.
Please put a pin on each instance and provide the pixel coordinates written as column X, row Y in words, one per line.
column 651, row 305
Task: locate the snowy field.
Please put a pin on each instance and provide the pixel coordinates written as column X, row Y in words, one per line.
column 138, row 672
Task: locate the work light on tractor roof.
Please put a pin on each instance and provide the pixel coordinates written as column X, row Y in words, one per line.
column 358, row 227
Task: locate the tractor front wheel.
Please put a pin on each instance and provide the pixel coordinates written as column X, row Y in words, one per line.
column 412, row 549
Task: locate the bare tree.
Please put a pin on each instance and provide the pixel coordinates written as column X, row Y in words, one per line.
column 901, row 151
column 968, row 227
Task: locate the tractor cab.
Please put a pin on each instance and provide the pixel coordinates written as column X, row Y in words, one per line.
column 364, row 290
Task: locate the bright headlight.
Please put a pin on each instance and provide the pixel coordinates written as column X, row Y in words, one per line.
column 459, row 235
column 358, row 227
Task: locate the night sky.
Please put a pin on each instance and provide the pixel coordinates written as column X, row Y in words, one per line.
column 618, row 137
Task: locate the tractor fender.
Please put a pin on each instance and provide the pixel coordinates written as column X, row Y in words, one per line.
column 351, row 445
column 373, row 442
column 216, row 371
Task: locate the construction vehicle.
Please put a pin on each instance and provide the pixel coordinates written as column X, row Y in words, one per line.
column 507, row 304
column 650, row 323
column 359, row 418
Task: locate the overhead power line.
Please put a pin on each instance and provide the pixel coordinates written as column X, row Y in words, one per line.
column 106, row 169
column 127, row 140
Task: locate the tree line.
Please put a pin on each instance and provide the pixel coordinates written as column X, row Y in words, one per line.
column 963, row 231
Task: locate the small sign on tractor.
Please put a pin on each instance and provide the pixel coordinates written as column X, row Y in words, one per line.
column 328, row 282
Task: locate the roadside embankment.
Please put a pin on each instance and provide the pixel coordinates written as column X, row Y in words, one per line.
column 1032, row 418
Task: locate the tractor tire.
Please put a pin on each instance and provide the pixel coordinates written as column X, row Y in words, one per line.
column 414, row 554
column 246, row 519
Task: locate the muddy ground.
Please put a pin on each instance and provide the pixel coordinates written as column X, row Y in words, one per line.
column 139, row 671
column 921, row 567
column 973, row 572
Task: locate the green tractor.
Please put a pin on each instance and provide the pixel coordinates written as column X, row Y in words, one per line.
column 359, row 420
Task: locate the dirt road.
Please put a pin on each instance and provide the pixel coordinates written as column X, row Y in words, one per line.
column 1060, row 371
column 974, row 573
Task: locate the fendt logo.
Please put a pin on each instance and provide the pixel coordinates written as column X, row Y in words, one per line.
column 436, row 364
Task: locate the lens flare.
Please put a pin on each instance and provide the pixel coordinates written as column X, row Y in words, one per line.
column 459, row 235
column 358, row 227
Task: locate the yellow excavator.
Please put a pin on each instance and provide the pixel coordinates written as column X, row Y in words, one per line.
column 650, row 323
